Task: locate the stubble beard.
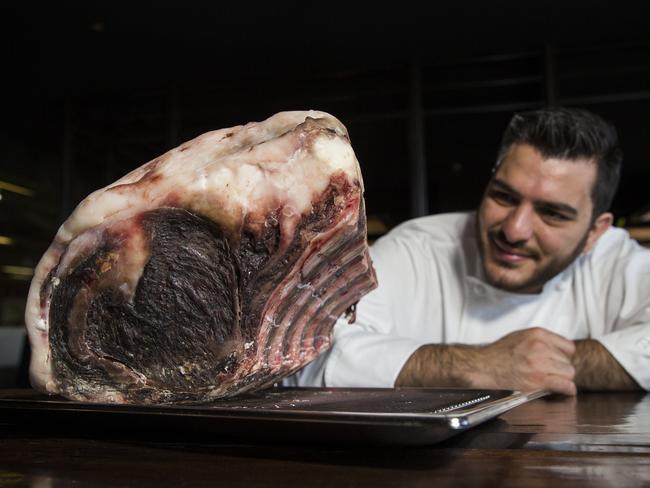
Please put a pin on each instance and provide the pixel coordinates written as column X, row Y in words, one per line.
column 539, row 277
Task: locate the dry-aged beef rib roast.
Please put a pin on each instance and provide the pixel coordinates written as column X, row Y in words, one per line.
column 217, row 268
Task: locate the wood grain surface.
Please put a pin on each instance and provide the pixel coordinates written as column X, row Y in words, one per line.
column 593, row 440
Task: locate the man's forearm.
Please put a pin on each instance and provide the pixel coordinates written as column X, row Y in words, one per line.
column 528, row 359
column 596, row 368
column 437, row 365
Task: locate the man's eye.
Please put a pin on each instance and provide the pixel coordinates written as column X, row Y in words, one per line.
column 553, row 214
column 503, row 197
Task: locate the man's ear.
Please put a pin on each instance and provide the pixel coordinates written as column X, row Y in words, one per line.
column 598, row 228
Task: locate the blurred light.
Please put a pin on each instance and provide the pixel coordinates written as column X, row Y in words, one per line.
column 19, row 277
column 97, row 27
column 17, row 270
column 0, row 196
column 376, row 226
column 6, row 241
column 21, row 190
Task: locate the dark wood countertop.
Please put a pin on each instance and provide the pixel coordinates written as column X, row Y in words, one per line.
column 596, row 439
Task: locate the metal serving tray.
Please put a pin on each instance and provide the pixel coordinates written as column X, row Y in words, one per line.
column 341, row 416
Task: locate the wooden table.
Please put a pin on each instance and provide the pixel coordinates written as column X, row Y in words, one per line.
column 593, row 440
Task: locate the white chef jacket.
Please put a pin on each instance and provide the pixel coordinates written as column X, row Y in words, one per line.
column 432, row 290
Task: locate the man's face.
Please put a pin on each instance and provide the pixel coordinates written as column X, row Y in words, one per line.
column 536, row 218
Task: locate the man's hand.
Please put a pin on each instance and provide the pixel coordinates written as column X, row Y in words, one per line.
column 523, row 360
column 528, row 359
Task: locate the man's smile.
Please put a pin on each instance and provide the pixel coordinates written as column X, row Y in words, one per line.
column 507, row 254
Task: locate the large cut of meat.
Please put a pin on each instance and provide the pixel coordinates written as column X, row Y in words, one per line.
column 217, row 268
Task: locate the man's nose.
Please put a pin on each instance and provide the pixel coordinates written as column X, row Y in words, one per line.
column 518, row 225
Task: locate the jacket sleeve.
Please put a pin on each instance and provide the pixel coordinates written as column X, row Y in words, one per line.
column 625, row 286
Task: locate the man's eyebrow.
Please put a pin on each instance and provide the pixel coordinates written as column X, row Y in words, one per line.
column 504, row 186
column 555, row 206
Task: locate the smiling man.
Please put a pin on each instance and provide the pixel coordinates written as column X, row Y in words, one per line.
column 534, row 290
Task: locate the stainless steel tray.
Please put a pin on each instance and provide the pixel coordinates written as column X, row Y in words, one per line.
column 359, row 416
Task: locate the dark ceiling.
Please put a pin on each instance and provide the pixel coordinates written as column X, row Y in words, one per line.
column 56, row 48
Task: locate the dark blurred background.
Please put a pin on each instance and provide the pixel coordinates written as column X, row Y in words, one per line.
column 95, row 89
